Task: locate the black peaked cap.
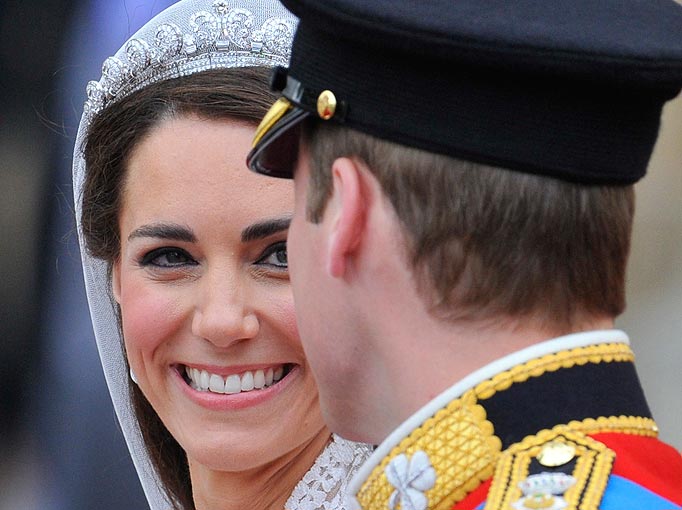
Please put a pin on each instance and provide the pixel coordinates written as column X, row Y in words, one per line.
column 569, row 89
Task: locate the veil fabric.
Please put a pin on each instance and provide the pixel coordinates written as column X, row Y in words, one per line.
column 189, row 37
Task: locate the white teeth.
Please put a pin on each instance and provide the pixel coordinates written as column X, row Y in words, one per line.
column 233, row 384
column 204, row 380
column 201, row 380
column 188, row 371
column 258, row 379
column 216, row 384
column 247, row 381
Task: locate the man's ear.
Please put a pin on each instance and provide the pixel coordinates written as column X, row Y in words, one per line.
column 116, row 281
column 348, row 217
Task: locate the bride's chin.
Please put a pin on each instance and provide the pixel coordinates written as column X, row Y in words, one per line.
column 228, row 458
column 234, row 456
column 276, row 431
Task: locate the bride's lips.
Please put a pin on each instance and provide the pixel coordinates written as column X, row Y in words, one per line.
column 230, row 389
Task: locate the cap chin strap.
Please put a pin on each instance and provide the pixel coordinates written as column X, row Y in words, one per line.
column 276, row 112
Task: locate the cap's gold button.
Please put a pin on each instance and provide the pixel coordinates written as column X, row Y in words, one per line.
column 326, row 104
column 556, row 453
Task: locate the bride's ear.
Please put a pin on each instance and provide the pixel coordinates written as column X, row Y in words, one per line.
column 116, row 281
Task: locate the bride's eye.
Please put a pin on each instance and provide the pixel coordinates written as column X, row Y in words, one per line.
column 168, row 258
column 275, row 255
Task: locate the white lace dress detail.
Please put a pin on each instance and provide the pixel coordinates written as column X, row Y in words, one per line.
column 324, row 485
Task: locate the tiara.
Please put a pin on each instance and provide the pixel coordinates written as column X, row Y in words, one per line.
column 218, row 37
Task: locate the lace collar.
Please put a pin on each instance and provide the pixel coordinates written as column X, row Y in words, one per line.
column 324, row 485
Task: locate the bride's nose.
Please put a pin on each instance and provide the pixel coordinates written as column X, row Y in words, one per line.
column 222, row 314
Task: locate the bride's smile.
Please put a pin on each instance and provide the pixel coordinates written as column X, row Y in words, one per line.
column 236, row 382
column 238, row 390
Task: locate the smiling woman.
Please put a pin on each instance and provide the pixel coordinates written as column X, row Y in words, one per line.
column 187, row 273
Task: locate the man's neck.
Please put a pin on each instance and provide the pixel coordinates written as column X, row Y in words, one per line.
column 455, row 351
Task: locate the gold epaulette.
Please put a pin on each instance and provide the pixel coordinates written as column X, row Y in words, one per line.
column 558, row 468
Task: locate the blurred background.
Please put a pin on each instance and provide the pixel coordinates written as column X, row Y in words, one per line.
column 60, row 443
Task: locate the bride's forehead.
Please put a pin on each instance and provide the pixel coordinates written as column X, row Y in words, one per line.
column 172, row 137
column 191, row 151
column 191, row 171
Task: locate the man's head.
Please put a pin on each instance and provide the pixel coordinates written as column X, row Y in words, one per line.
column 464, row 168
column 482, row 246
column 483, row 241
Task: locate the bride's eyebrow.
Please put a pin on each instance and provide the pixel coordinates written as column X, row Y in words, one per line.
column 171, row 231
column 265, row 228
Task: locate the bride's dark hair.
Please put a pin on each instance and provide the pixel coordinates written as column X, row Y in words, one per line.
column 241, row 94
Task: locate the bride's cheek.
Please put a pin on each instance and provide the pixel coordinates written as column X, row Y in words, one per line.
column 287, row 319
column 151, row 317
column 279, row 309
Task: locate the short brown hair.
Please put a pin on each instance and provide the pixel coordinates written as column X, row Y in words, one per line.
column 237, row 94
column 487, row 242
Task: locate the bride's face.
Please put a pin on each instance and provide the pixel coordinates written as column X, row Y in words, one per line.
column 206, row 305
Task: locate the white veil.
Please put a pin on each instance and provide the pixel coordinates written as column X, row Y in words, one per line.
column 188, row 37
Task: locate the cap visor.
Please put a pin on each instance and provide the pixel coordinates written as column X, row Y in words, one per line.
column 276, row 150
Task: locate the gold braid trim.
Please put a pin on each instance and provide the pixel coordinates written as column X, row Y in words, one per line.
column 603, row 353
column 637, row 425
column 461, row 448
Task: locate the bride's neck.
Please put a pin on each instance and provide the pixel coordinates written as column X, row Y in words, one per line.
column 265, row 487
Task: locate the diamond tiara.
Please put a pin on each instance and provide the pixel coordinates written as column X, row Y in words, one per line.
column 184, row 43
